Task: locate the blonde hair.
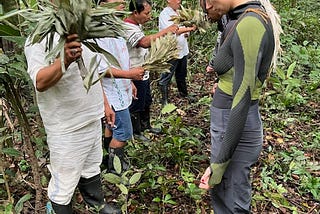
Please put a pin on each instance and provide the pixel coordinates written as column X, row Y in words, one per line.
column 277, row 29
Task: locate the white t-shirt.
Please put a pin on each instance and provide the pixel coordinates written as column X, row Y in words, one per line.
column 117, row 90
column 66, row 106
column 164, row 22
column 134, row 34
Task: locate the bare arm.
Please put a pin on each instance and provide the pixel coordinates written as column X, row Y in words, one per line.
column 134, row 73
column 183, row 30
column 145, row 42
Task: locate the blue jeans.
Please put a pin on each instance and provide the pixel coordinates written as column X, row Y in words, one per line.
column 233, row 194
column 122, row 131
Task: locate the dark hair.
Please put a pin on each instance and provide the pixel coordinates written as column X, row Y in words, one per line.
column 138, row 5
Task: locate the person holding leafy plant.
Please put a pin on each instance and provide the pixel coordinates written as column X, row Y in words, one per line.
column 248, row 48
column 119, row 90
column 179, row 66
column 138, row 44
column 72, row 119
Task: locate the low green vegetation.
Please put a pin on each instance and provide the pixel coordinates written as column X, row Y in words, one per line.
column 165, row 172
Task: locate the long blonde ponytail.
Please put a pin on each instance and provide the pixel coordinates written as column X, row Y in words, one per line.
column 277, row 29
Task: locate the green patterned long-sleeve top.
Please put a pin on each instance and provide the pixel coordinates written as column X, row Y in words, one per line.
column 242, row 64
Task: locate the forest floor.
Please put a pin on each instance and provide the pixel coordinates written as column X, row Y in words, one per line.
column 275, row 190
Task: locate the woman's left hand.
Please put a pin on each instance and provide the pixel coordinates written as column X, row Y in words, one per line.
column 204, row 182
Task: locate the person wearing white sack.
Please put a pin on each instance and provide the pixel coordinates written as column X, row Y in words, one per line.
column 248, row 49
column 179, row 67
column 72, row 120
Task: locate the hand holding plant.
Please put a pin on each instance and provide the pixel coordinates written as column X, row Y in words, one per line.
column 190, row 18
column 162, row 50
column 67, row 17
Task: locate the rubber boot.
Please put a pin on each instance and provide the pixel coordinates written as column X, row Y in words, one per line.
column 61, row 209
column 145, row 122
column 136, row 125
column 120, row 153
column 91, row 191
column 182, row 88
column 183, row 91
column 164, row 94
column 106, row 143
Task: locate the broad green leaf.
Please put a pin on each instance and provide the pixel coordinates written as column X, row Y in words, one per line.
column 123, row 189
column 292, row 165
column 117, row 164
column 19, row 206
column 11, row 152
column 6, row 30
column 167, row 197
column 259, row 198
column 157, row 199
column 135, row 178
column 168, row 108
column 291, row 69
column 280, row 74
column 112, row 178
column 4, row 59
column 160, row 180
column 124, row 208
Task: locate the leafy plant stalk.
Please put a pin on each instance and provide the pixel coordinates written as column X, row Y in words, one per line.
column 13, row 98
column 57, row 19
column 162, row 50
column 188, row 18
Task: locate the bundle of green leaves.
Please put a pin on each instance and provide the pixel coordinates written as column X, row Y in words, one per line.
column 188, row 18
column 162, row 50
column 82, row 17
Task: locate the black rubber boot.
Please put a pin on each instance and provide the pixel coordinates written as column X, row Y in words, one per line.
column 136, row 125
column 183, row 91
column 145, row 122
column 182, row 88
column 62, row 209
column 106, row 143
column 91, row 191
column 120, row 153
column 164, row 94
